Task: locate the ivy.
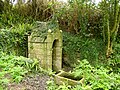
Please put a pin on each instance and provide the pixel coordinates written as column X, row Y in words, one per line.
column 14, row 40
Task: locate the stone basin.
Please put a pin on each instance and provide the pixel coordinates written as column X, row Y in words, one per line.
column 68, row 78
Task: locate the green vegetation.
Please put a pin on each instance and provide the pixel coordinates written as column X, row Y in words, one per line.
column 99, row 78
column 14, row 68
column 78, row 48
column 13, row 40
column 91, row 41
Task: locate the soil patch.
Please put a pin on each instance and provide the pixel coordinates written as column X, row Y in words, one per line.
column 37, row 82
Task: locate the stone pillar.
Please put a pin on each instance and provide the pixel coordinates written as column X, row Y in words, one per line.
column 57, row 59
column 49, row 51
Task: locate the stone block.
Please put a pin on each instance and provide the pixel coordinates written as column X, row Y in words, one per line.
column 49, row 52
column 67, row 78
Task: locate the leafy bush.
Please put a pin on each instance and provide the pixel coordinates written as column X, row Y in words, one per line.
column 11, row 17
column 114, row 61
column 79, row 17
column 52, row 86
column 14, row 68
column 99, row 78
column 1, row 6
column 77, row 48
column 14, row 40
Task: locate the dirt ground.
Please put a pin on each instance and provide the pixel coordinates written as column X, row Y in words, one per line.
column 37, row 82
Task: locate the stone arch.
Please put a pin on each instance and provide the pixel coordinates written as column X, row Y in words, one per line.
column 49, row 52
column 56, row 57
column 54, row 50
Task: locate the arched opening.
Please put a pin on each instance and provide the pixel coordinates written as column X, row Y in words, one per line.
column 55, row 54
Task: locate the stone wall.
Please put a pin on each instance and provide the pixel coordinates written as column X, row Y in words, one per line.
column 49, row 52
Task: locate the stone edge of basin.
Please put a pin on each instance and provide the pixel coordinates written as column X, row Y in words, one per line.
column 59, row 79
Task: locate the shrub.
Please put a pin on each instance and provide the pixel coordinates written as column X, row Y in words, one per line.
column 94, row 78
column 79, row 17
column 14, row 40
column 97, row 78
column 76, row 47
column 14, row 68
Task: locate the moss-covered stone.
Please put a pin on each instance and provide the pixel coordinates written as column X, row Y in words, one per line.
column 67, row 78
column 49, row 52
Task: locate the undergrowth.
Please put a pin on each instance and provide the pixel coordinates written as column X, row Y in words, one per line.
column 14, row 40
column 114, row 60
column 77, row 47
column 14, row 68
column 94, row 78
column 79, row 17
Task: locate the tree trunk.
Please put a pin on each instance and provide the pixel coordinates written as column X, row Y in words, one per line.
column 112, row 34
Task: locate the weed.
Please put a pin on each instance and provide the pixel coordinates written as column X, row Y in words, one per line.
column 14, row 68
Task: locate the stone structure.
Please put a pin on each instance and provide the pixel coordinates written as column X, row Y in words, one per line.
column 68, row 78
column 49, row 51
